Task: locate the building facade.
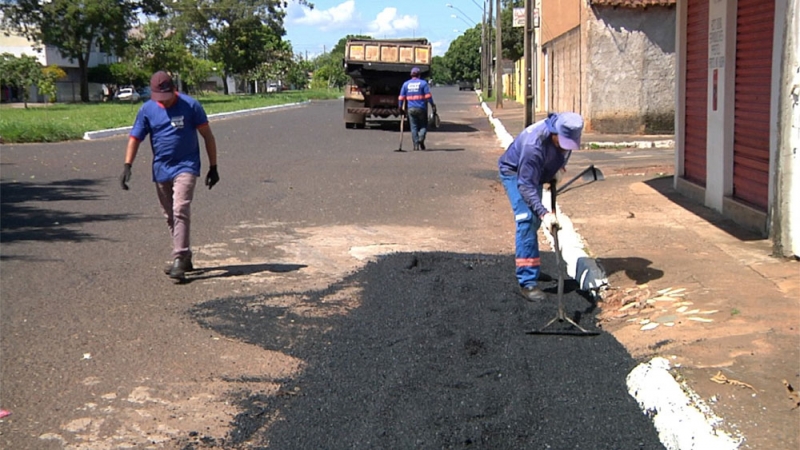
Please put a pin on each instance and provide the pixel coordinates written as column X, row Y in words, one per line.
column 611, row 60
column 737, row 115
column 68, row 88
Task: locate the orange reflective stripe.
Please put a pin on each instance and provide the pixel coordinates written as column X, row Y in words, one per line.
column 528, row 262
column 419, row 97
column 402, row 97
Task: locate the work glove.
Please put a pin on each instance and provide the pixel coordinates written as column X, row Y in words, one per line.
column 550, row 222
column 434, row 108
column 125, row 177
column 213, row 177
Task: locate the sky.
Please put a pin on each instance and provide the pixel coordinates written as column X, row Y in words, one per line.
column 314, row 31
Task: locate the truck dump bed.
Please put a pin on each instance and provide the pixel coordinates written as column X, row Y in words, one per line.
column 377, row 59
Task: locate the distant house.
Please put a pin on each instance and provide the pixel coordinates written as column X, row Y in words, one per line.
column 68, row 88
column 613, row 61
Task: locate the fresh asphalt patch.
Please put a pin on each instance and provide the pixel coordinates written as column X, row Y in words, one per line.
column 434, row 355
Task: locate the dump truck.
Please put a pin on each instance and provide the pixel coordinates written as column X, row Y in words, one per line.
column 377, row 69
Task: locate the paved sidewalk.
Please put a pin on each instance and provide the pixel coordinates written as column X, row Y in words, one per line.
column 690, row 286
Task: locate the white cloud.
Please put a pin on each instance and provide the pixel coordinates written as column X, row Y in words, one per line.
column 340, row 16
column 388, row 23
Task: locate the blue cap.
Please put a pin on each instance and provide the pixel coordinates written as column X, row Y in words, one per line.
column 415, row 71
column 569, row 127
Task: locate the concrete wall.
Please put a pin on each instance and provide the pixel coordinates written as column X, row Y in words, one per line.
column 559, row 17
column 565, row 72
column 631, row 74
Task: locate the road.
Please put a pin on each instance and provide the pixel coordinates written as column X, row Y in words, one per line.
column 293, row 333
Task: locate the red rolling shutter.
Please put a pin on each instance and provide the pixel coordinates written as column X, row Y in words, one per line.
column 694, row 157
column 754, row 38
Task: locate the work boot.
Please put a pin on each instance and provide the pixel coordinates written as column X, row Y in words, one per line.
column 533, row 293
column 416, row 147
column 422, row 145
column 180, row 264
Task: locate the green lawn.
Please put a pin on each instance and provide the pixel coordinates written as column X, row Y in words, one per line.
column 62, row 122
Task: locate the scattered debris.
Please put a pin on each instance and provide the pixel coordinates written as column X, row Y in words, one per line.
column 650, row 326
column 4, row 413
column 722, row 379
column 794, row 396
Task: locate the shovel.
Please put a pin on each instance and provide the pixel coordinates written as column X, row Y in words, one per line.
column 402, row 120
column 588, row 174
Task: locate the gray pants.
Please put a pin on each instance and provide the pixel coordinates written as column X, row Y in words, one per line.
column 176, row 204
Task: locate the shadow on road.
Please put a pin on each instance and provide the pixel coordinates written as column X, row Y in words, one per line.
column 429, row 350
column 240, row 270
column 635, row 268
column 23, row 218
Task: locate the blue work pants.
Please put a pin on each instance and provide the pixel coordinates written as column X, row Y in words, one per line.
column 418, row 120
column 527, row 243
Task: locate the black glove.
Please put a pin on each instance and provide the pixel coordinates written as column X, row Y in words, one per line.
column 125, row 177
column 213, row 177
column 434, row 108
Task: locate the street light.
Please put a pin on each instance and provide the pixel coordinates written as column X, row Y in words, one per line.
column 462, row 13
column 462, row 19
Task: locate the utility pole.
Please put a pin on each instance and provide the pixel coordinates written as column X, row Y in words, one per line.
column 528, row 45
column 498, row 65
column 483, row 48
column 489, row 82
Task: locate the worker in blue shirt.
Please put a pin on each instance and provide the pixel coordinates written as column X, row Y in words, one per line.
column 173, row 122
column 417, row 94
column 537, row 156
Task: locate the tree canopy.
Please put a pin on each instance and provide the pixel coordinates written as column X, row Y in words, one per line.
column 463, row 57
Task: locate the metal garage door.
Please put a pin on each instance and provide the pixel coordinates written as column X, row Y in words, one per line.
column 754, row 36
column 694, row 158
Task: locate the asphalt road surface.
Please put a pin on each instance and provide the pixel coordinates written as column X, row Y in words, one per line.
column 347, row 296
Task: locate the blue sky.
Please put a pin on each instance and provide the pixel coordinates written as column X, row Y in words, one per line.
column 318, row 30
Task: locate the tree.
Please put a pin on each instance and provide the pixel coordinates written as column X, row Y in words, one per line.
column 463, row 57
column 196, row 70
column 233, row 32
column 440, row 73
column 156, row 47
column 21, row 72
column 47, row 82
column 298, row 73
column 76, row 27
column 513, row 39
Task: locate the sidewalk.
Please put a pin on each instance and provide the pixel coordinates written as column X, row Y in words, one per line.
column 690, row 286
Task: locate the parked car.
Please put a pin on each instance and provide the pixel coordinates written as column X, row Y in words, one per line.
column 464, row 85
column 127, row 94
column 273, row 87
column 144, row 93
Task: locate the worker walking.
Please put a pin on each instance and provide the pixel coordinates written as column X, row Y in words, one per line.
column 536, row 156
column 173, row 120
column 417, row 94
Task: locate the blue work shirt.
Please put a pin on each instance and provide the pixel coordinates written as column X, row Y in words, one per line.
column 173, row 135
column 535, row 160
column 417, row 92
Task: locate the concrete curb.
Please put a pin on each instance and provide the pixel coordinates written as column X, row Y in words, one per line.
column 90, row 135
column 682, row 420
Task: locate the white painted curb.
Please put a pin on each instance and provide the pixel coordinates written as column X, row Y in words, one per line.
column 682, row 420
column 90, row 135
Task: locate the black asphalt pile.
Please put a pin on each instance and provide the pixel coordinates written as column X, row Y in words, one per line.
column 436, row 356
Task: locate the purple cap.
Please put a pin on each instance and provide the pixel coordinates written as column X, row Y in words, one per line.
column 569, row 127
column 415, row 71
column 162, row 87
